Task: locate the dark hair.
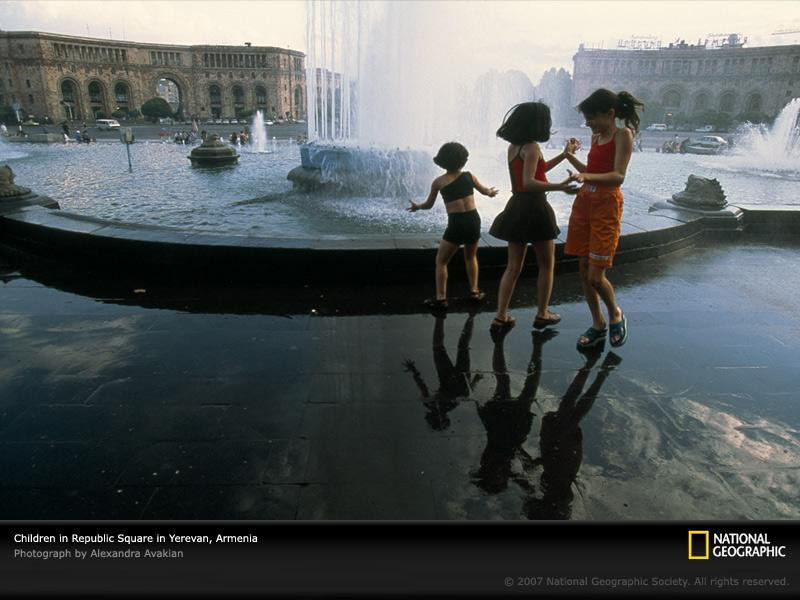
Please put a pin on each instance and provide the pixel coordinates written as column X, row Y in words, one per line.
column 624, row 105
column 451, row 156
column 525, row 123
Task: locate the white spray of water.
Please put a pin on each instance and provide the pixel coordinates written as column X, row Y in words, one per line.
column 771, row 149
column 259, row 139
column 399, row 75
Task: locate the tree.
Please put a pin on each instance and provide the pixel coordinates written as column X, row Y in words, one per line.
column 156, row 108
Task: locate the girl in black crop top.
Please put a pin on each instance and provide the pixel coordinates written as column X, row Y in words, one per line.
column 463, row 221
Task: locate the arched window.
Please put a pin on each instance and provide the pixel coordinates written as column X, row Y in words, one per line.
column 261, row 97
column 68, row 99
column 95, row 92
column 215, row 101
column 238, row 100
column 727, row 102
column 754, row 103
column 121, row 93
column 701, row 102
column 672, row 99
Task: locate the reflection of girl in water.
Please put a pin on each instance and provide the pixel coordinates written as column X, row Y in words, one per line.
column 561, row 443
column 454, row 380
column 508, row 421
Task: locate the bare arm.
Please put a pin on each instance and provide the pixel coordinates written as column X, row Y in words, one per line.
column 491, row 192
column 555, row 160
column 623, row 140
column 430, row 200
column 529, row 181
column 569, row 153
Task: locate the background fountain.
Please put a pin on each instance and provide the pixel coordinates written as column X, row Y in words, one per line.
column 385, row 85
column 259, row 139
column 773, row 149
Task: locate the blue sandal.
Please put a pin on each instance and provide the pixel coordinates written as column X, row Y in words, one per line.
column 618, row 330
column 595, row 337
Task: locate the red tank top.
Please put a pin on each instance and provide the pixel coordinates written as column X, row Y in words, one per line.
column 601, row 158
column 515, row 167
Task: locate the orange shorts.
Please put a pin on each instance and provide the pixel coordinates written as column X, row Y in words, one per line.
column 594, row 224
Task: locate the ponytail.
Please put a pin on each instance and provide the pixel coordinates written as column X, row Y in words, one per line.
column 626, row 109
column 624, row 104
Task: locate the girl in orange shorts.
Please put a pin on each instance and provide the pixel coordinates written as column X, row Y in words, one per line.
column 594, row 223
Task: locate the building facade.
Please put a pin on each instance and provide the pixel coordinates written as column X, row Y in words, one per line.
column 691, row 79
column 60, row 76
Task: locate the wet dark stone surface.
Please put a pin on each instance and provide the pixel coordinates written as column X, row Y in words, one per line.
column 131, row 398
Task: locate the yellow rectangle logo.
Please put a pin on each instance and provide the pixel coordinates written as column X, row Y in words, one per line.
column 697, row 534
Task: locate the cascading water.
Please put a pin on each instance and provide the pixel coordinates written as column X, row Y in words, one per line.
column 259, row 140
column 393, row 74
column 772, row 149
column 390, row 76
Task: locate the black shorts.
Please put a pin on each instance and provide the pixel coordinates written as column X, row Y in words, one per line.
column 463, row 228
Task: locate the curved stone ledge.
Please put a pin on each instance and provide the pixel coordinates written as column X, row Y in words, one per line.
column 105, row 245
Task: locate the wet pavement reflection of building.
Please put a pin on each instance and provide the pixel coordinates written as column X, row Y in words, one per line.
column 131, row 399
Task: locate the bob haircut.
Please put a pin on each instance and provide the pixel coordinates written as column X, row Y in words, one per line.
column 624, row 104
column 525, row 123
column 451, row 156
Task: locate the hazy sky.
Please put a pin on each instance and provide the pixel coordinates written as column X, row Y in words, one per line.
column 530, row 36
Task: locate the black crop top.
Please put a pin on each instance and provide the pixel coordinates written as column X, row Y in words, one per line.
column 460, row 187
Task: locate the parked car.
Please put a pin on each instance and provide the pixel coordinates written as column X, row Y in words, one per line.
column 30, row 122
column 226, row 121
column 708, row 144
column 166, row 121
column 657, row 127
column 269, row 122
column 705, row 129
column 209, row 121
column 106, row 124
column 300, row 121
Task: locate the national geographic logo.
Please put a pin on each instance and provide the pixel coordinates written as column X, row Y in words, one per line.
column 703, row 545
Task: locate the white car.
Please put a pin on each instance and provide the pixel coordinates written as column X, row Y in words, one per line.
column 106, row 124
column 269, row 123
column 226, row 121
column 705, row 129
column 657, row 127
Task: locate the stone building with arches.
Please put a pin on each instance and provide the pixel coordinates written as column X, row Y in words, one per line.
column 691, row 79
column 78, row 78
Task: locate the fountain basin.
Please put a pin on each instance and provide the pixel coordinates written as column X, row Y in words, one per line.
column 213, row 153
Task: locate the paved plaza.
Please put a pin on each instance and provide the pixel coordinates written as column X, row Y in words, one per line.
column 131, row 399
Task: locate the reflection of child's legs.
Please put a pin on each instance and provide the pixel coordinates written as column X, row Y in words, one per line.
column 516, row 257
column 545, row 259
column 443, row 256
column 471, row 264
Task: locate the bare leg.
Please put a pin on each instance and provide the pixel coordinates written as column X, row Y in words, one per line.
column 471, row 264
column 443, row 256
column 599, row 288
column 592, row 297
column 546, row 261
column 603, row 287
column 516, row 258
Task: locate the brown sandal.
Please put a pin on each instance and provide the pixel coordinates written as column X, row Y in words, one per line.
column 435, row 303
column 541, row 323
column 477, row 296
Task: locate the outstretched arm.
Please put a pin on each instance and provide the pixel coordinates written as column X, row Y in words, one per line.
column 491, row 192
column 529, row 181
column 429, row 202
column 571, row 146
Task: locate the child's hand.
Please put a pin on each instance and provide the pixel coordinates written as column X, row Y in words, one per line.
column 492, row 192
column 574, row 176
column 414, row 206
column 572, row 145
